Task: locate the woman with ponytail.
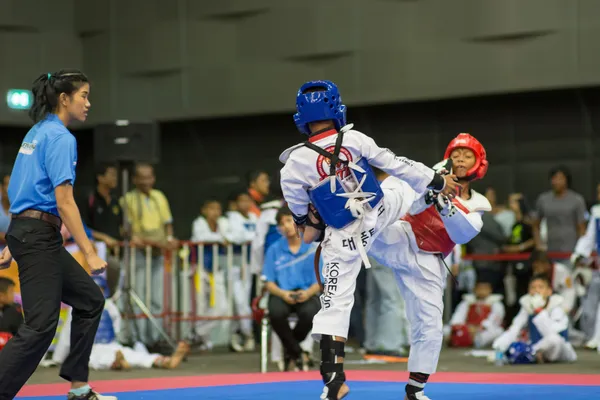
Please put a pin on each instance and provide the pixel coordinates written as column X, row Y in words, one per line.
column 41, row 200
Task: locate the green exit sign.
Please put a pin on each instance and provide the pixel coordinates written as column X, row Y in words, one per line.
column 19, row 99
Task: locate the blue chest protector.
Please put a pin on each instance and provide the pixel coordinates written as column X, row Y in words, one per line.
column 535, row 336
column 106, row 330
column 331, row 199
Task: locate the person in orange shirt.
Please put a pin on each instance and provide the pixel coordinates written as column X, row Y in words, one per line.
column 258, row 189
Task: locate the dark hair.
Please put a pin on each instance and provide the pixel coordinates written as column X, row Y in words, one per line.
column 283, row 211
column 253, row 175
column 48, row 87
column 102, row 168
column 209, row 201
column 565, row 171
column 5, row 284
column 542, row 277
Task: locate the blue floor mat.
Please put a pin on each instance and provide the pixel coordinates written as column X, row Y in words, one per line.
column 365, row 391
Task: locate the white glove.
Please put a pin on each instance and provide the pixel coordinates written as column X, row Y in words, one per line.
column 537, row 301
column 444, row 206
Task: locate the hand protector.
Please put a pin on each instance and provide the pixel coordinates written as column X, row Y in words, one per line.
column 314, row 218
column 444, row 206
column 430, row 197
column 537, row 303
column 300, row 220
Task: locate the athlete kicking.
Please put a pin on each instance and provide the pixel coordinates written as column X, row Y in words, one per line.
column 331, row 172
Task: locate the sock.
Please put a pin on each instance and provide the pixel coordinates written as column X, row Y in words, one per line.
column 416, row 382
column 81, row 391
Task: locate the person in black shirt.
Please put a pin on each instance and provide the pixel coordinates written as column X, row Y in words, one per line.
column 11, row 314
column 102, row 213
column 521, row 240
column 100, row 210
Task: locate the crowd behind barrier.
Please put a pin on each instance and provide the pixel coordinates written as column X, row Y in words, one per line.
column 187, row 299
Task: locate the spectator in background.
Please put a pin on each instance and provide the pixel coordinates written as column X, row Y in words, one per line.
column 564, row 211
column 386, row 325
column 558, row 275
column 240, row 232
column 258, row 189
column 149, row 213
column 505, row 217
column 11, row 314
column 211, row 227
column 4, row 214
column 231, row 203
column 100, row 209
column 544, row 318
column 520, row 241
column 291, row 281
column 489, row 242
column 477, row 321
column 102, row 214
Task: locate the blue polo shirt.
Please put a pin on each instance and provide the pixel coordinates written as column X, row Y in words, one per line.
column 290, row 271
column 47, row 158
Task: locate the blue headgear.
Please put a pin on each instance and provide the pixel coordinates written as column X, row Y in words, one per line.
column 520, row 353
column 323, row 105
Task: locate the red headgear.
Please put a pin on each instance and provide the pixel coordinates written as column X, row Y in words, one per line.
column 466, row 141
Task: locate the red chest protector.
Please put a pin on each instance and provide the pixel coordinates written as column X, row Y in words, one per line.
column 478, row 313
column 461, row 336
column 430, row 231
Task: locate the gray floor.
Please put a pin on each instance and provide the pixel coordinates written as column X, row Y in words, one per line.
column 452, row 360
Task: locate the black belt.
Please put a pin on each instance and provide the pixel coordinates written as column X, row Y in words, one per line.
column 44, row 216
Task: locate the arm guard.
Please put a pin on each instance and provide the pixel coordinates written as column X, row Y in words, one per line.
column 462, row 227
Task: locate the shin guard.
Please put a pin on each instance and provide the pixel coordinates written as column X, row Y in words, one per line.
column 331, row 371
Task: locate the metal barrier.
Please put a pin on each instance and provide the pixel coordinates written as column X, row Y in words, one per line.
column 186, row 294
column 187, row 297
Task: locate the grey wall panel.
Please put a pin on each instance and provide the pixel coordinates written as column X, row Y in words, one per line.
column 379, row 51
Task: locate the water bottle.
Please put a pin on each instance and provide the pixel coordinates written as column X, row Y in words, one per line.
column 499, row 360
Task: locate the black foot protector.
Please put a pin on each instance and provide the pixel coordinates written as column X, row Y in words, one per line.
column 332, row 372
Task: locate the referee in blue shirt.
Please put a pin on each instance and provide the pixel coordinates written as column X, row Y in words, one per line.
column 41, row 198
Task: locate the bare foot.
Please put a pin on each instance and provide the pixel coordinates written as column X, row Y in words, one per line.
column 182, row 350
column 539, row 357
column 120, row 362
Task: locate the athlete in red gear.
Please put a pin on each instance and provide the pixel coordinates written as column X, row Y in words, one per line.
column 415, row 246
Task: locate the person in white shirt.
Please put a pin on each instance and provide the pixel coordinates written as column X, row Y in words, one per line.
column 477, row 321
column 542, row 314
column 559, row 275
column 240, row 232
column 208, row 233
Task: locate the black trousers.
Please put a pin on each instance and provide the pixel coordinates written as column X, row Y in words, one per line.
column 279, row 311
column 48, row 275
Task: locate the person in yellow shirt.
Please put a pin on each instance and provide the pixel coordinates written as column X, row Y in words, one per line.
column 151, row 224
